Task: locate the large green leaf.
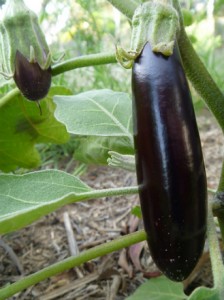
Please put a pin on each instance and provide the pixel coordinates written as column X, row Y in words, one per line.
column 203, row 293
column 94, row 149
column 22, row 126
column 97, row 113
column 159, row 289
column 26, row 198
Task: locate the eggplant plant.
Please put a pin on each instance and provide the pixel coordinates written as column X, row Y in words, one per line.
column 155, row 133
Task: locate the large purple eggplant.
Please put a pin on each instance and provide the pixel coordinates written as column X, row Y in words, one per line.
column 169, row 163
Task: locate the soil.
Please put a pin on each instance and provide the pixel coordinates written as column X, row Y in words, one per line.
column 116, row 275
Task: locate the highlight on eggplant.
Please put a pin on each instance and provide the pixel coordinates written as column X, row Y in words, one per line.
column 169, row 163
column 33, row 82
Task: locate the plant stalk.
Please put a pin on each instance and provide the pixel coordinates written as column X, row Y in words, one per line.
column 11, row 94
column 221, row 180
column 71, row 262
column 220, row 217
column 215, row 254
column 109, row 192
column 198, row 74
column 219, row 202
column 84, row 61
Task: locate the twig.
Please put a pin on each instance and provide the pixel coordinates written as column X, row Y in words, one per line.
column 73, row 247
column 13, row 256
column 114, row 287
column 71, row 286
column 89, row 294
column 120, row 218
column 93, row 243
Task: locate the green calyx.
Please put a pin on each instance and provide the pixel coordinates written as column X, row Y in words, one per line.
column 156, row 22
column 20, row 31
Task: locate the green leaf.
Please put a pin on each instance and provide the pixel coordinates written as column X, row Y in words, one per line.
column 136, row 211
column 97, row 112
column 159, row 288
column 94, row 149
column 26, row 198
column 22, row 126
column 187, row 17
column 203, row 293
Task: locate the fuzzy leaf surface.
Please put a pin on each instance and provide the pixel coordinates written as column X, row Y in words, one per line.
column 26, row 198
column 96, row 113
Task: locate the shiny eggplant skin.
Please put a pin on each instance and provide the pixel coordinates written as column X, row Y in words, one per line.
column 169, row 163
column 33, row 82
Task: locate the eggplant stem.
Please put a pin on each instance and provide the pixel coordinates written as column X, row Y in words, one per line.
column 39, row 106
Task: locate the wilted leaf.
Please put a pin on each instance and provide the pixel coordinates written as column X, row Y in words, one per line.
column 123, row 262
column 135, row 253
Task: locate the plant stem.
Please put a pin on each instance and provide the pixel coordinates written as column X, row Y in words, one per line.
column 127, row 7
column 198, row 74
column 218, row 204
column 220, row 217
column 84, row 61
column 221, row 180
column 72, row 262
column 215, row 254
column 13, row 93
column 109, row 192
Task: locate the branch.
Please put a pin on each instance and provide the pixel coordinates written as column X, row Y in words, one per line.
column 84, row 61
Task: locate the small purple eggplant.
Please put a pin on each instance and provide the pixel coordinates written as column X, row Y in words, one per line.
column 33, row 82
column 24, row 52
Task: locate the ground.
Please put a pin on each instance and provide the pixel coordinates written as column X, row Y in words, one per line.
column 117, row 275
